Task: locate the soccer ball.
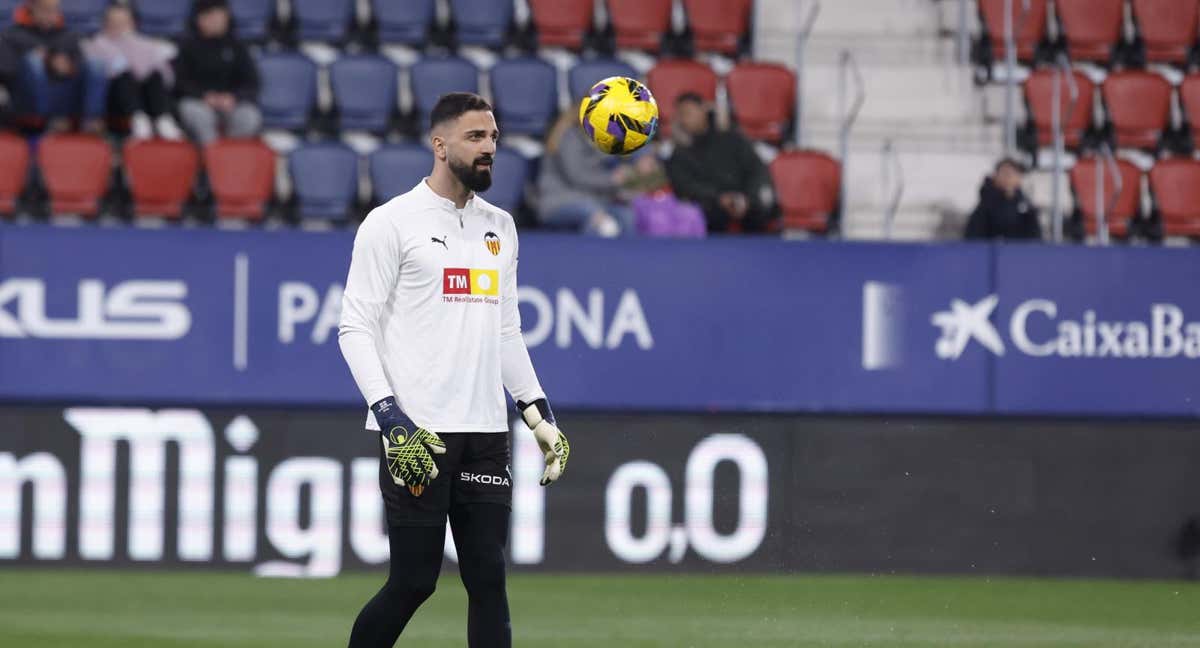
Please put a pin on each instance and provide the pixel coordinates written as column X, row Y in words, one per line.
column 619, row 115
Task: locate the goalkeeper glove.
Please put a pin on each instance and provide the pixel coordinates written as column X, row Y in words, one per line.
column 550, row 439
column 406, row 447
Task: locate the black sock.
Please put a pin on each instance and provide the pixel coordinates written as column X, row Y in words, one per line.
column 412, row 577
column 480, row 535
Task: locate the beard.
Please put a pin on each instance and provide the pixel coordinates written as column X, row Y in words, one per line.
column 473, row 176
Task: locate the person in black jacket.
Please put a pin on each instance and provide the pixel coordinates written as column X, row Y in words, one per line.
column 216, row 79
column 720, row 170
column 1004, row 211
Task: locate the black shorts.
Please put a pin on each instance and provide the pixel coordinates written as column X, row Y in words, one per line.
column 475, row 468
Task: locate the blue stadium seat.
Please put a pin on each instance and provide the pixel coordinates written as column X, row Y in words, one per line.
column 324, row 180
column 327, row 21
column 526, row 95
column 364, row 92
column 288, row 92
column 481, row 22
column 405, row 22
column 586, row 74
column 252, row 18
column 509, row 175
column 396, row 169
column 163, row 18
column 7, row 7
column 83, row 16
column 433, row 77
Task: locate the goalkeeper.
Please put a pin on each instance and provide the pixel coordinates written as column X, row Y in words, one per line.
column 431, row 332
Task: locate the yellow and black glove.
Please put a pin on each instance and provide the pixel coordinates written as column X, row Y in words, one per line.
column 407, row 448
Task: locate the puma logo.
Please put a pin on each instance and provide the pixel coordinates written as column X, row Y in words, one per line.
column 434, row 239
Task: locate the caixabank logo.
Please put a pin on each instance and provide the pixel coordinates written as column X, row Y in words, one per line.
column 470, row 285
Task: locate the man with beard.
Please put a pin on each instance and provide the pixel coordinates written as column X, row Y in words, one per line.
column 432, row 334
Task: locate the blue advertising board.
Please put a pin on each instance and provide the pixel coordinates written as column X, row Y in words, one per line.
column 212, row 317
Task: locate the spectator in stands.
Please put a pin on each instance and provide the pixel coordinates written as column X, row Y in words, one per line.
column 720, row 170
column 43, row 62
column 1004, row 212
column 579, row 186
column 139, row 72
column 216, row 78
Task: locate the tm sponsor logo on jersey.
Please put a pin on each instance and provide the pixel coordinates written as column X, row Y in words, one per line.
column 470, row 285
column 1037, row 328
column 128, row 310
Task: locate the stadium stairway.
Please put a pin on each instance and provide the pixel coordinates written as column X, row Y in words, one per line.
column 917, row 96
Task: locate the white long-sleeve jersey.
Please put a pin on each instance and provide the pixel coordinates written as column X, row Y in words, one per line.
column 430, row 313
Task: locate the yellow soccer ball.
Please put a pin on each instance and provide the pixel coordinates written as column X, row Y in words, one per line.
column 619, row 115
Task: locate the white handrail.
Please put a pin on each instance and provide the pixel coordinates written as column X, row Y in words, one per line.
column 1062, row 70
column 892, row 172
column 801, row 43
column 847, row 65
column 1010, row 73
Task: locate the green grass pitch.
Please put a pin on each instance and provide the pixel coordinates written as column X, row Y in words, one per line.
column 108, row 609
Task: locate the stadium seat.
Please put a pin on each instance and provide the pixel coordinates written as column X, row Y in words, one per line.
column 525, row 92
column 163, row 18
column 763, row 97
column 718, row 25
column 1029, row 29
column 252, row 18
column 364, row 92
column 242, row 175
column 562, row 23
column 671, row 78
column 7, row 7
column 14, row 170
column 1189, row 99
column 1039, row 99
column 1139, row 107
column 77, row 171
column 325, row 180
column 511, row 172
column 807, row 185
column 640, row 24
column 481, row 22
column 161, row 174
column 1175, row 184
column 587, row 73
column 288, row 91
column 1168, row 28
column 404, row 23
column 83, row 16
column 1083, row 185
column 326, row 21
column 433, row 77
column 396, row 169
column 1092, row 27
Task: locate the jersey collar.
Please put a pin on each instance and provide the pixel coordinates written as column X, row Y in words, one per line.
column 442, row 200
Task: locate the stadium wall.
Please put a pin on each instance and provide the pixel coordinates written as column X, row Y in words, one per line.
column 296, row 494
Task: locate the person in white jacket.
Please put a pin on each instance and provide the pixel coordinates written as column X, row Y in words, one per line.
column 431, row 332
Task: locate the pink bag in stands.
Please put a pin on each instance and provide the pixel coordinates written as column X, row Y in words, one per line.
column 663, row 215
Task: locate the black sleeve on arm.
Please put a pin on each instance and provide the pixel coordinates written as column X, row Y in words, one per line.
column 186, row 82
column 977, row 225
column 688, row 185
column 755, row 174
column 246, row 78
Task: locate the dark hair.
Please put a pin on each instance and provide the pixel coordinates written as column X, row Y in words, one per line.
column 1010, row 162
column 689, row 97
column 452, row 105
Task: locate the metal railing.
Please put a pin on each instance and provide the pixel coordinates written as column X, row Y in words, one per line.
column 963, row 37
column 801, row 42
column 1106, row 162
column 892, row 176
column 849, row 111
column 1062, row 70
column 1010, row 72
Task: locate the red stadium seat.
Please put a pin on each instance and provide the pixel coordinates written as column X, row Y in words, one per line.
column 77, row 170
column 161, row 174
column 562, row 23
column 763, row 96
column 1139, row 106
column 1189, row 97
column 242, row 175
column 1039, row 97
column 1175, row 184
column 718, row 25
column 14, row 169
column 671, row 78
column 1083, row 184
column 1168, row 27
column 640, row 24
column 1092, row 27
column 1028, row 28
column 807, row 184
